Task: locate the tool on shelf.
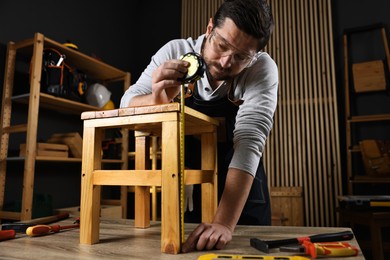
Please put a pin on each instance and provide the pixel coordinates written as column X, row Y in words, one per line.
column 322, row 249
column 265, row 245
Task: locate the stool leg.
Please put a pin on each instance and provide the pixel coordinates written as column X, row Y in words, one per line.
column 125, row 166
column 90, row 194
column 170, row 196
column 154, row 167
column 142, row 193
column 209, row 190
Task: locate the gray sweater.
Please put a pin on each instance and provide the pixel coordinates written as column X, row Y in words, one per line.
column 256, row 86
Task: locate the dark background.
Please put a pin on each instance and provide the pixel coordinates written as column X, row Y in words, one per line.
column 125, row 34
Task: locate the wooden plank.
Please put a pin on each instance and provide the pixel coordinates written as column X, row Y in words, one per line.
column 170, row 197
column 73, row 140
column 107, row 113
column 198, row 176
column 369, row 76
column 288, row 202
column 136, row 177
column 325, row 125
column 32, row 125
column 46, row 147
column 15, row 129
column 209, row 190
column 48, row 153
column 386, row 46
column 6, row 116
column 142, row 193
column 9, row 215
column 155, row 150
column 90, row 194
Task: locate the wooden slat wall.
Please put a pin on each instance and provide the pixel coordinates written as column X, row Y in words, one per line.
column 303, row 147
column 195, row 16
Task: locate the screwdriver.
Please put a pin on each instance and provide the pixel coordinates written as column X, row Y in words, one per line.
column 7, row 234
column 323, row 249
column 40, row 230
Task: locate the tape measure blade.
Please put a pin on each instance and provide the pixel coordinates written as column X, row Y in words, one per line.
column 182, row 158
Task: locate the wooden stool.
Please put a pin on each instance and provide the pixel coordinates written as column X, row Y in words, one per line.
column 164, row 121
column 376, row 221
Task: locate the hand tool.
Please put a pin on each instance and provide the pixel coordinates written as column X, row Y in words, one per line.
column 195, row 72
column 23, row 225
column 322, row 249
column 40, row 230
column 262, row 257
column 182, row 163
column 265, row 245
column 7, row 234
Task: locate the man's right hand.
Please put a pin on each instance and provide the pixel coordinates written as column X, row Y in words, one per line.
column 165, row 83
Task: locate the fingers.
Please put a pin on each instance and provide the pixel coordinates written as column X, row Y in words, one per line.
column 165, row 83
column 207, row 239
column 192, row 240
column 207, row 236
column 171, row 71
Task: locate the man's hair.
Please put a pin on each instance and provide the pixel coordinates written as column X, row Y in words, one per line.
column 251, row 16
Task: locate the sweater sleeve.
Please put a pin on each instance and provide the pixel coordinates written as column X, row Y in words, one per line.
column 172, row 50
column 258, row 89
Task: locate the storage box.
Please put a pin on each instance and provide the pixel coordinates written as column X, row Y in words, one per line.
column 45, row 149
column 376, row 156
column 369, row 76
column 73, row 140
column 287, row 202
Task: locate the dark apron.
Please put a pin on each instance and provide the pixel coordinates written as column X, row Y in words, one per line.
column 257, row 210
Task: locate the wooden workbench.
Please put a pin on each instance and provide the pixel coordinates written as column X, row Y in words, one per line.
column 120, row 240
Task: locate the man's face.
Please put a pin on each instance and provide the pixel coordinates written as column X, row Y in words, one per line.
column 227, row 50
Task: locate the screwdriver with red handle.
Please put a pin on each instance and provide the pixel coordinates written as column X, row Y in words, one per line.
column 40, row 230
column 7, row 234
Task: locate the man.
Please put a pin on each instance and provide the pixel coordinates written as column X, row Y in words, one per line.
column 240, row 84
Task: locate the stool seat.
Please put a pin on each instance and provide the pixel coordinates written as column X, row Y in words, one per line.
column 158, row 120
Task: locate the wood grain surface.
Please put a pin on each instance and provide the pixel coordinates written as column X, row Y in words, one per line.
column 120, row 240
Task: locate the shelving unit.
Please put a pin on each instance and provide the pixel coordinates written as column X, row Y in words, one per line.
column 96, row 70
column 354, row 118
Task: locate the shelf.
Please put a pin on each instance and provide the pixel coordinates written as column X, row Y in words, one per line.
column 61, row 159
column 369, row 118
column 56, row 103
column 354, row 149
column 365, row 85
column 370, row 179
column 31, row 51
column 94, row 68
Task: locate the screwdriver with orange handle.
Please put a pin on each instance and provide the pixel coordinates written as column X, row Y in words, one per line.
column 40, row 230
column 7, row 234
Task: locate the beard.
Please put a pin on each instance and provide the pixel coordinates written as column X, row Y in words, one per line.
column 216, row 72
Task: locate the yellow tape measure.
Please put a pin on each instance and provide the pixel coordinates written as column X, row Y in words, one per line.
column 262, row 257
column 182, row 159
column 195, row 72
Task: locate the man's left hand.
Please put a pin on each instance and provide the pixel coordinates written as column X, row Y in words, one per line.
column 207, row 236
